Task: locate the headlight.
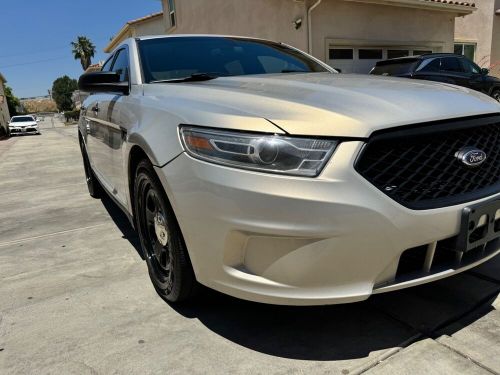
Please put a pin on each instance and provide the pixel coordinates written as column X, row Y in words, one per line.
column 260, row 152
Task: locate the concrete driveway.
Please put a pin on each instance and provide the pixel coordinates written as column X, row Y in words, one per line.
column 75, row 298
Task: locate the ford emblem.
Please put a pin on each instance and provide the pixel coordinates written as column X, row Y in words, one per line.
column 471, row 157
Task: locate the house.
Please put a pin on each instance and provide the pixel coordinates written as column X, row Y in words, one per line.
column 478, row 36
column 152, row 24
column 4, row 109
column 350, row 35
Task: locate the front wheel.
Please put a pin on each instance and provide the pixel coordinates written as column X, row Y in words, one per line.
column 162, row 243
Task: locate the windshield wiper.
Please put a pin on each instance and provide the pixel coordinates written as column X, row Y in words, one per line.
column 195, row 77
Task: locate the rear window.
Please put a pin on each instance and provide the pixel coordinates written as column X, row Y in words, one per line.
column 391, row 68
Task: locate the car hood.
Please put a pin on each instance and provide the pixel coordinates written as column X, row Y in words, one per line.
column 325, row 104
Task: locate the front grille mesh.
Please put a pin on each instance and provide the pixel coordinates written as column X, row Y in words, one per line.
column 420, row 170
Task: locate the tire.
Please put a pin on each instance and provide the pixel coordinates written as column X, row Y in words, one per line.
column 93, row 185
column 161, row 239
column 496, row 95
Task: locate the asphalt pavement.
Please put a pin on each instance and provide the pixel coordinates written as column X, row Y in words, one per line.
column 75, row 298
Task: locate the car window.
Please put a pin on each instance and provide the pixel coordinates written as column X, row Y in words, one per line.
column 121, row 64
column 430, row 65
column 22, row 119
column 107, row 65
column 180, row 57
column 451, row 64
column 470, row 67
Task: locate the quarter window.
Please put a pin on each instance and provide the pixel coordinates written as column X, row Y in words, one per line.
column 107, row 65
column 121, row 65
column 171, row 13
column 370, row 54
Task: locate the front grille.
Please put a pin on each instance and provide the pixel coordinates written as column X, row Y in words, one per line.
column 417, row 167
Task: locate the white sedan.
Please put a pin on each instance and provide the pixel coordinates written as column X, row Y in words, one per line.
column 255, row 169
column 23, row 125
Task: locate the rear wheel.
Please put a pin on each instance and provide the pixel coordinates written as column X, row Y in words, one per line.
column 162, row 243
column 93, row 184
column 496, row 95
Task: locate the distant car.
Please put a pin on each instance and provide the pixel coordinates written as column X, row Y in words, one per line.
column 23, row 125
column 442, row 67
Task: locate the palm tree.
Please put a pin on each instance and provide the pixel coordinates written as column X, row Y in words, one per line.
column 84, row 50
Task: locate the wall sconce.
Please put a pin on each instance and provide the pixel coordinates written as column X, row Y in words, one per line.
column 297, row 23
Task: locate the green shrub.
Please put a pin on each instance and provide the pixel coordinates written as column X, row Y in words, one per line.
column 72, row 115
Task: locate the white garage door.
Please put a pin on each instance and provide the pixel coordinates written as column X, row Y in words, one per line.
column 361, row 59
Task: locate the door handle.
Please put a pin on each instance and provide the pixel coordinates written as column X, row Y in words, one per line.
column 95, row 108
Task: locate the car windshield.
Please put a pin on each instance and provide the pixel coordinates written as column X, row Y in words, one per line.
column 176, row 58
column 22, row 119
column 394, row 67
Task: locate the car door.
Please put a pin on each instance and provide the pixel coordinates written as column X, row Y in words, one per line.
column 476, row 78
column 117, row 116
column 97, row 133
column 452, row 69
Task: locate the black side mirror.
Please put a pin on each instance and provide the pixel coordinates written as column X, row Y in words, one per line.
column 103, row 82
column 485, row 71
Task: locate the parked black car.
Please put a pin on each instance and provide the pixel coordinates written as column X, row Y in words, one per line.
column 441, row 67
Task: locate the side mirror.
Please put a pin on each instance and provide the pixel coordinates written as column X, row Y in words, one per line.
column 103, row 82
column 485, row 71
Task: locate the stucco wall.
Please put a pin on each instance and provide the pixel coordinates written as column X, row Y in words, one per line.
column 478, row 28
column 495, row 43
column 333, row 19
column 155, row 26
column 268, row 19
column 381, row 23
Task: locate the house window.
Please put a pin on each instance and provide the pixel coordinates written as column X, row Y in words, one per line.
column 466, row 49
column 341, row 53
column 171, row 13
column 394, row 53
column 370, row 54
column 421, row 52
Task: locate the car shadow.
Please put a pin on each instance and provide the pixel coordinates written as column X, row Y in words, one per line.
column 337, row 332
column 123, row 224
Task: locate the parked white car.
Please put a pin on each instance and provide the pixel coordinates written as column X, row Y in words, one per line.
column 254, row 169
column 23, row 125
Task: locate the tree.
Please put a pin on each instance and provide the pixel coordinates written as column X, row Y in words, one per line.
column 12, row 102
column 62, row 89
column 84, row 50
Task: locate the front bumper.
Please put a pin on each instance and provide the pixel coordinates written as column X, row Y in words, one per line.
column 301, row 241
column 17, row 130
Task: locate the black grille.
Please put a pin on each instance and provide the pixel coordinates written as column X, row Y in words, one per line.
column 418, row 168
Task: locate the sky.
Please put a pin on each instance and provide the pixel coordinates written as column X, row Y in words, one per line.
column 35, row 37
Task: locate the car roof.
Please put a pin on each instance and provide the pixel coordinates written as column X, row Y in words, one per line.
column 422, row 57
column 149, row 37
column 22, row 116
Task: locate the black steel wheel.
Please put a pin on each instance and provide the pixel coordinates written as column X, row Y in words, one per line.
column 162, row 243
column 93, row 184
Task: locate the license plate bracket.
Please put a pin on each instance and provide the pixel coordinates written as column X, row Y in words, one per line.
column 471, row 235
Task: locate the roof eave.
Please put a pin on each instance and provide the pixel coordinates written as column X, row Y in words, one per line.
column 460, row 10
column 112, row 45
